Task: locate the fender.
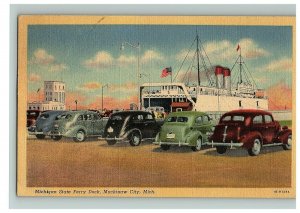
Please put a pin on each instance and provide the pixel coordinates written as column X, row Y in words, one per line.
column 248, row 139
column 192, row 137
column 72, row 132
column 126, row 134
column 283, row 135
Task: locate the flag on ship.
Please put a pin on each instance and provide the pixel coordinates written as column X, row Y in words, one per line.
column 165, row 72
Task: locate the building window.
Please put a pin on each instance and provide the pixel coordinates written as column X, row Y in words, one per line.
column 240, row 103
column 29, row 107
column 46, row 99
column 63, row 87
column 257, row 103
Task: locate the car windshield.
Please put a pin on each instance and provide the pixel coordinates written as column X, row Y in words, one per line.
column 63, row 116
column 177, row 119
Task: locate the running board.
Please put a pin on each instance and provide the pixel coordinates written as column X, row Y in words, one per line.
column 273, row 144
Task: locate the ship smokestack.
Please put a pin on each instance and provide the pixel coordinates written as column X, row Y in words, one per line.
column 227, row 79
column 219, row 76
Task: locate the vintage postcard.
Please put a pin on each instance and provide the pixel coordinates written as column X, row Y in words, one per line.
column 156, row 106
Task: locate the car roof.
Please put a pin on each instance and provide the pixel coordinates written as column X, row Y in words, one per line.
column 248, row 112
column 187, row 113
column 130, row 112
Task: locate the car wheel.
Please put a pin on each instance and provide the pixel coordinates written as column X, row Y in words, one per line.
column 40, row 136
column 255, row 150
column 221, row 149
column 111, row 142
column 165, row 147
column 135, row 138
column 288, row 144
column 57, row 137
column 80, row 136
column 198, row 145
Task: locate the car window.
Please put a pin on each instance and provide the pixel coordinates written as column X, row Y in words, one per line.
column 138, row 117
column 268, row 119
column 182, row 119
column 87, row 117
column 44, row 116
column 198, row 120
column 149, row 117
column 205, row 119
column 171, row 119
column 96, row 117
column 226, row 118
column 116, row 118
column 63, row 116
column 80, row 118
column 238, row 118
column 258, row 119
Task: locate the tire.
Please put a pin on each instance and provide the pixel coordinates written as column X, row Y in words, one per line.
column 135, row 138
column 288, row 144
column 111, row 142
column 255, row 150
column 40, row 136
column 80, row 136
column 57, row 137
column 221, row 149
column 197, row 148
column 165, row 147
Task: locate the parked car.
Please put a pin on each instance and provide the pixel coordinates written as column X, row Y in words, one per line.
column 44, row 124
column 78, row 125
column 132, row 126
column 185, row 128
column 159, row 112
column 32, row 116
column 250, row 129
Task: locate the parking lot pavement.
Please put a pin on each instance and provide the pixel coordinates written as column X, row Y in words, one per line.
column 93, row 163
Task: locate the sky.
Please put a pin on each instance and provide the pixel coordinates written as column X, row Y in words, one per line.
column 87, row 57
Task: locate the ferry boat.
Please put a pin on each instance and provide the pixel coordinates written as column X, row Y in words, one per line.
column 221, row 93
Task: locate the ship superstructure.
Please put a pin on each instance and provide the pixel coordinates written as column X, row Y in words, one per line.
column 218, row 92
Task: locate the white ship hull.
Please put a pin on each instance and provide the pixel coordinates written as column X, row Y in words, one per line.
column 208, row 103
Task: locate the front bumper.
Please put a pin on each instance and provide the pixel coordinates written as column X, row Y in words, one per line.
column 116, row 139
column 180, row 143
column 231, row 144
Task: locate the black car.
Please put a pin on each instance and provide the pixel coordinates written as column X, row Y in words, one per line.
column 132, row 126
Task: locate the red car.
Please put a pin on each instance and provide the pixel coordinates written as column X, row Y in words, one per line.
column 250, row 129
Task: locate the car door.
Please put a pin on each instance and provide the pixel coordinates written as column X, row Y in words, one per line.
column 138, row 122
column 150, row 126
column 258, row 125
column 270, row 128
column 88, row 123
column 98, row 125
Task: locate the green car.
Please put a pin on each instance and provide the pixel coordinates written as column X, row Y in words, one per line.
column 186, row 128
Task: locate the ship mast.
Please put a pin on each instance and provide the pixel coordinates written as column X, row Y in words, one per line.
column 198, row 63
column 241, row 81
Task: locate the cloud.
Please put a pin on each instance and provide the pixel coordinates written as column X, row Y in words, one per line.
column 58, row 67
column 102, row 59
column 225, row 50
column 280, row 96
column 127, row 87
column 151, row 55
column 252, row 50
column 41, row 57
column 90, row 86
column 125, row 60
column 280, row 65
column 34, row 77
